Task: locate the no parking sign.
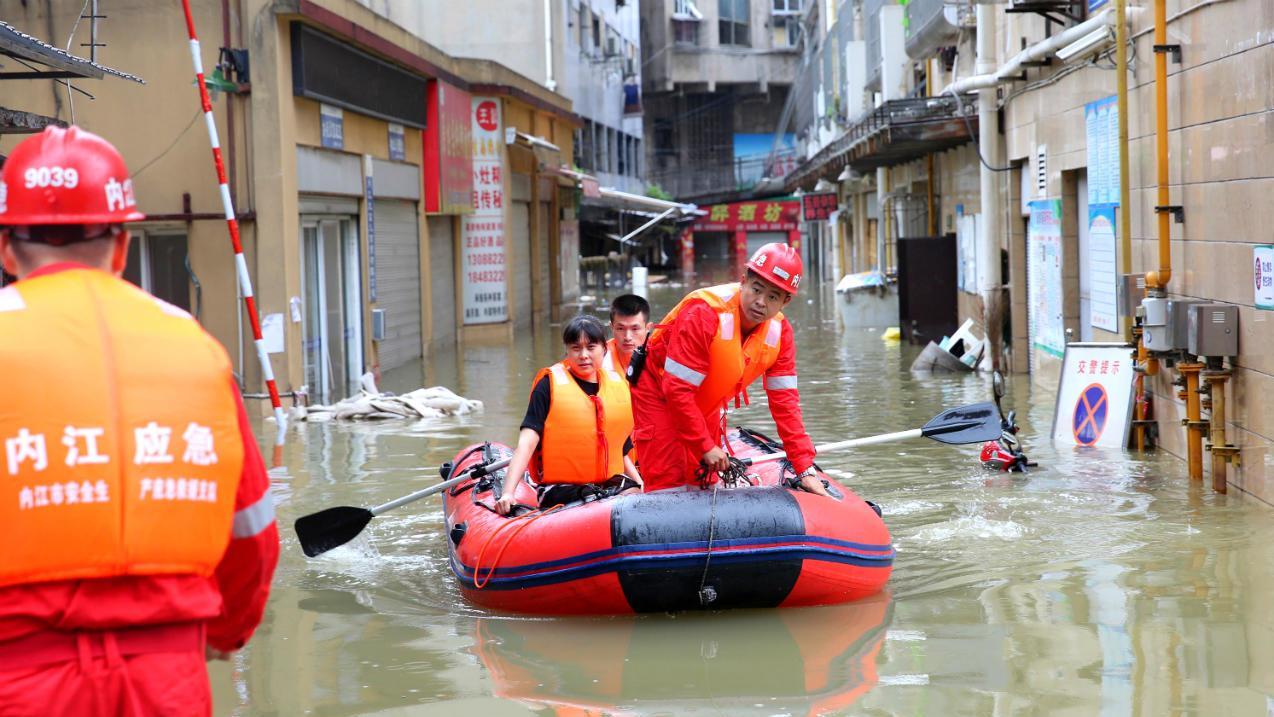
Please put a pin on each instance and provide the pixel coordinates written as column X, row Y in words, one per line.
column 1094, row 398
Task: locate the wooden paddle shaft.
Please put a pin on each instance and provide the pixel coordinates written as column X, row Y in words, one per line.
column 851, row 443
column 431, row 490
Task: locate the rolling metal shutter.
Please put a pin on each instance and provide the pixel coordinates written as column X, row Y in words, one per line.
column 442, row 280
column 519, row 235
column 398, row 281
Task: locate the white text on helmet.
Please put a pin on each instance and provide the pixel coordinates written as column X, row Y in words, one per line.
column 119, row 196
column 67, row 177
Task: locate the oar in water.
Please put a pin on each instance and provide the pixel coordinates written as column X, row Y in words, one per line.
column 320, row 532
column 974, row 423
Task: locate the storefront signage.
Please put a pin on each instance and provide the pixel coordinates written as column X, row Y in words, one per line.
column 450, row 150
column 1101, row 120
column 1263, row 276
column 818, row 207
column 369, row 195
column 762, row 216
column 397, row 142
column 332, row 127
column 1044, row 276
column 483, row 264
column 1094, row 398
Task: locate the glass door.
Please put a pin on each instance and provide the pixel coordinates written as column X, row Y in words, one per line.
column 333, row 338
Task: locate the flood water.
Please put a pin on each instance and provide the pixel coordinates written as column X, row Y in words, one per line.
column 1102, row 583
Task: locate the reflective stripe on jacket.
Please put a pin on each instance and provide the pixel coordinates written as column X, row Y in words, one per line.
column 733, row 362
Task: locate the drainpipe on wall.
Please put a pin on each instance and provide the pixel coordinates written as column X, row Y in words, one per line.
column 549, row 82
column 882, row 217
column 990, row 144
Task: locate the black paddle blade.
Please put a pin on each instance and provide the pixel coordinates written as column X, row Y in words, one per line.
column 320, row 532
column 974, row 423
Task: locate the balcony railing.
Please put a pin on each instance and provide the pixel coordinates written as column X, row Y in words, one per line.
column 897, row 131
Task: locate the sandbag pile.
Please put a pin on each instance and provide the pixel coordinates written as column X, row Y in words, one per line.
column 432, row 402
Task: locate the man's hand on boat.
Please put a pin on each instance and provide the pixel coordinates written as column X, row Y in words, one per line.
column 716, row 460
column 812, row 482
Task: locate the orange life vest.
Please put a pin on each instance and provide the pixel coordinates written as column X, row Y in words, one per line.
column 577, row 421
column 614, row 360
column 733, row 363
column 121, row 444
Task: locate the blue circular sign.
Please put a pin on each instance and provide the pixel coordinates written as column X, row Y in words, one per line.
column 1090, row 415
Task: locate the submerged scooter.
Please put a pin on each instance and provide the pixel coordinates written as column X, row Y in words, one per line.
column 1004, row 453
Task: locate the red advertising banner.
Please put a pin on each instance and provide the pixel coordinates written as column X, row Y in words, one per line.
column 448, row 151
column 483, row 257
column 818, row 207
column 761, row 216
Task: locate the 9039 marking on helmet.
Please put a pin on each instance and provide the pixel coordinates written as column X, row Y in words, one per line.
column 67, row 177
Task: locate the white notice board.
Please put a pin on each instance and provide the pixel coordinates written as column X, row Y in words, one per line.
column 1094, row 397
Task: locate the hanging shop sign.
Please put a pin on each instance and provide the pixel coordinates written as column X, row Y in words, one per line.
column 369, row 197
column 762, row 216
column 482, row 233
column 1044, row 277
column 1101, row 120
column 331, row 127
column 818, row 207
column 1263, row 276
column 1095, row 396
column 449, row 150
column 397, row 136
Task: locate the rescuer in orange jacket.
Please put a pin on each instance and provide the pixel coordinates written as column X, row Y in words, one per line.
column 629, row 319
column 703, row 355
column 577, row 428
column 135, row 511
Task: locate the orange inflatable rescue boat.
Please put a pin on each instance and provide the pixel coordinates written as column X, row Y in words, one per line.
column 755, row 544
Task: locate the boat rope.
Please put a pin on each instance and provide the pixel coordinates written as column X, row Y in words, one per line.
column 518, row 524
column 708, row 595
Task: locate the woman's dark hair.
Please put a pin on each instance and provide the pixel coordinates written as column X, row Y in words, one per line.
column 583, row 326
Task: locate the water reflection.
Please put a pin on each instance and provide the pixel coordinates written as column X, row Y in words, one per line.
column 1101, row 583
column 809, row 661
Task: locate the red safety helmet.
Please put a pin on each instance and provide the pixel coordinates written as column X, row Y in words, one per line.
column 779, row 264
column 66, row 176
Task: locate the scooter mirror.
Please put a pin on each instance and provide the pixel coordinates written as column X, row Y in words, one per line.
column 1011, row 421
column 997, row 385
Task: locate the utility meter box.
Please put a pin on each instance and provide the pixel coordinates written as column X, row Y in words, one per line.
column 1130, row 290
column 1214, row 330
column 379, row 329
column 1154, row 324
column 1178, row 335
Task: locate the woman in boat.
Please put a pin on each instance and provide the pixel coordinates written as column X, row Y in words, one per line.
column 578, row 426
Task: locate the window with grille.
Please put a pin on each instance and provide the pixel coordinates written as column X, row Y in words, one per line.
column 733, row 17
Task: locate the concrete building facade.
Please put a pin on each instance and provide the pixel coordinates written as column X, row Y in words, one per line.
column 1046, row 84
column 585, row 50
column 716, row 79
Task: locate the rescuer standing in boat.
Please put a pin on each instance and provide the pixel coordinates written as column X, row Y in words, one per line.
column 704, row 354
column 138, row 529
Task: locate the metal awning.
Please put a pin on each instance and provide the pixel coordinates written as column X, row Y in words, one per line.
column 23, row 47
column 656, row 209
column 611, row 197
column 898, row 131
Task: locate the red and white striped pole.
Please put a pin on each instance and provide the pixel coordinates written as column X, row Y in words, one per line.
column 241, row 266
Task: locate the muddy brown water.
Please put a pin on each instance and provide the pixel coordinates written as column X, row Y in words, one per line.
column 1102, row 583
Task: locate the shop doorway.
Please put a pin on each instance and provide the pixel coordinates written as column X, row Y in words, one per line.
column 333, row 326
